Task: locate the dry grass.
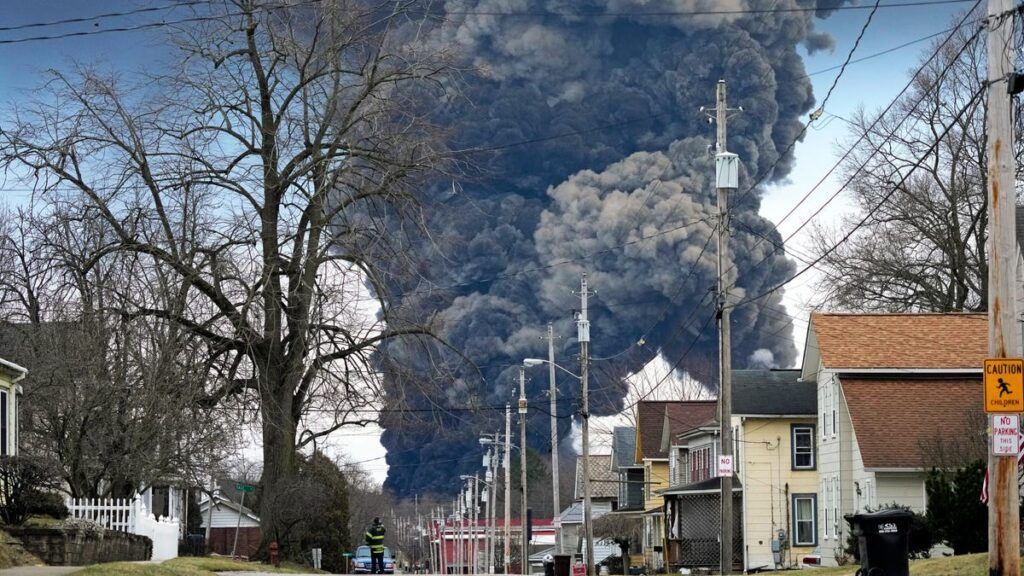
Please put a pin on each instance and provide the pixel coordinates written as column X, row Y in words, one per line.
column 13, row 555
column 187, row 566
column 967, row 565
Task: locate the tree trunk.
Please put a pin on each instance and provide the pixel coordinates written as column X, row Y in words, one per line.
column 280, row 469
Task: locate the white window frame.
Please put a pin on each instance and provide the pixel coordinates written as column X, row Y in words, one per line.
column 797, row 520
column 793, row 446
column 827, row 489
column 835, row 506
column 5, row 423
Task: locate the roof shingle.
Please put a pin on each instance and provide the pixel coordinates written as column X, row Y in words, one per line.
column 896, row 420
column 682, row 415
column 923, row 341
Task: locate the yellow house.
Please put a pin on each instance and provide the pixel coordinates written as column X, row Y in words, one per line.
column 657, row 423
column 10, row 394
column 774, row 419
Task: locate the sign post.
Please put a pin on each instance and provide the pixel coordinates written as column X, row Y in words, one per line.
column 244, row 489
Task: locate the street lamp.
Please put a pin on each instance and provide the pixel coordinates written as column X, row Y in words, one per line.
column 585, row 433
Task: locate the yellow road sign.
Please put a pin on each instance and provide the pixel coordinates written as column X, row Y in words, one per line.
column 1004, row 385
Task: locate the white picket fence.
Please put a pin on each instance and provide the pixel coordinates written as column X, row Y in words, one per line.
column 112, row 513
column 129, row 515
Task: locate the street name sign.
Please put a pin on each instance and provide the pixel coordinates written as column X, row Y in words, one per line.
column 245, row 487
column 1005, row 434
column 1004, row 385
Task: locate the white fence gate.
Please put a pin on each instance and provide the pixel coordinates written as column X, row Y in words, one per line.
column 129, row 515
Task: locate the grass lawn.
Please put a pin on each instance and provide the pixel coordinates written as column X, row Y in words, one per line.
column 188, row 566
column 967, row 565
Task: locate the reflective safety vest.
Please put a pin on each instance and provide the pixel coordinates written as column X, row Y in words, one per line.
column 375, row 538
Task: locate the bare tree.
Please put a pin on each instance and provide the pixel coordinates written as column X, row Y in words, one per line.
column 111, row 398
column 922, row 190
column 263, row 181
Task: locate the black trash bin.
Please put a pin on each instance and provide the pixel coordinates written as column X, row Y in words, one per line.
column 563, row 564
column 883, row 539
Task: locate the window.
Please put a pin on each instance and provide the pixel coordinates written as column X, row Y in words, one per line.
column 700, row 466
column 827, row 488
column 805, row 525
column 826, row 402
column 803, row 446
column 835, row 407
column 3, row 424
column 835, row 506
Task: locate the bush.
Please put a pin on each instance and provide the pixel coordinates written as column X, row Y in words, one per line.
column 921, row 537
column 21, row 479
column 955, row 512
column 47, row 504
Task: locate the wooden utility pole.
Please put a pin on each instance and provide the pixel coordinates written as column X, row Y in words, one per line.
column 583, row 335
column 1003, row 514
column 524, row 553
column 506, row 461
column 555, row 505
column 726, row 180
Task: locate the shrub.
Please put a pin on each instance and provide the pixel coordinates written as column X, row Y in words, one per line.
column 921, row 537
column 47, row 504
column 21, row 479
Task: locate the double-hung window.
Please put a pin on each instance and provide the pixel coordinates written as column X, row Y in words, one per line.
column 802, row 437
column 805, row 521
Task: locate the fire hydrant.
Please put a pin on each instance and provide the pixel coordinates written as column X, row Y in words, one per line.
column 275, row 558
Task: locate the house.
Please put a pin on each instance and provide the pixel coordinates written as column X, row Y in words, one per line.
column 629, row 474
column 693, row 502
column 10, row 398
column 891, row 389
column 603, row 494
column 657, row 423
column 774, row 418
column 221, row 516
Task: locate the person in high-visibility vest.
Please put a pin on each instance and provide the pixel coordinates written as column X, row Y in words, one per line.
column 375, row 540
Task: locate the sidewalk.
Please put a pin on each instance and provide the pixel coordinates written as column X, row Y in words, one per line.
column 39, row 570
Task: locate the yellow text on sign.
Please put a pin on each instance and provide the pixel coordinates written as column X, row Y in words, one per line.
column 1004, row 385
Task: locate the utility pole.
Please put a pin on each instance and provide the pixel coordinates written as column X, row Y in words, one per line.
column 476, row 522
column 726, row 180
column 583, row 335
column 508, row 486
column 523, row 554
column 1003, row 512
column 554, row 437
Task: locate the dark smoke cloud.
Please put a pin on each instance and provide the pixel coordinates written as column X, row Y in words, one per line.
column 511, row 243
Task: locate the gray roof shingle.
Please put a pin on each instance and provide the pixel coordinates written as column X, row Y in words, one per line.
column 772, row 393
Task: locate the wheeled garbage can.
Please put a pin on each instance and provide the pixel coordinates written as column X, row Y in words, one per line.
column 883, row 539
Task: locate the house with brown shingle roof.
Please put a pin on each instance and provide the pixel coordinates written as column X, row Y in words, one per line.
column 888, row 386
column 657, row 424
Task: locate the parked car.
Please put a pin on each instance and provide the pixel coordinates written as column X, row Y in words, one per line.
column 361, row 561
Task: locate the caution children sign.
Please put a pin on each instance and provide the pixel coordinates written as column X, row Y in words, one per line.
column 1004, row 385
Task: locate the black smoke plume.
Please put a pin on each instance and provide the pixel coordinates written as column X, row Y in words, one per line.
column 596, row 159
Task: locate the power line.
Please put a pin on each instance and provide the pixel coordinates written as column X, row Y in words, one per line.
column 871, row 212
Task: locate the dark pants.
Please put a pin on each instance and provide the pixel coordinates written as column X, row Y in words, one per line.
column 376, row 562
